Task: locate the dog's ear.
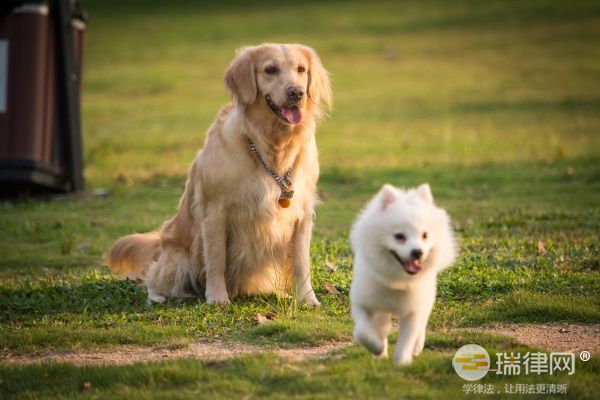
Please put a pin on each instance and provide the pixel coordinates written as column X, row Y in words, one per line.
column 387, row 195
column 319, row 85
column 424, row 193
column 240, row 77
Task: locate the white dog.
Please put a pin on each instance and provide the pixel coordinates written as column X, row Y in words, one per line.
column 401, row 241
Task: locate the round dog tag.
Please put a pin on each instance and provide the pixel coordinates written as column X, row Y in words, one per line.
column 284, row 203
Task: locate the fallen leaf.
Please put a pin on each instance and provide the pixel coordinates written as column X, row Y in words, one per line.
column 540, row 247
column 457, row 339
column 271, row 315
column 331, row 289
column 260, row 319
column 330, row 266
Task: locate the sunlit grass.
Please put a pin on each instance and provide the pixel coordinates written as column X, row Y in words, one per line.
column 495, row 104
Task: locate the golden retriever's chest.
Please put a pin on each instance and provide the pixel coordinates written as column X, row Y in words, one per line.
column 258, row 219
column 261, row 198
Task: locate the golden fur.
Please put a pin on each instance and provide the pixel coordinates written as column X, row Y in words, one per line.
column 230, row 236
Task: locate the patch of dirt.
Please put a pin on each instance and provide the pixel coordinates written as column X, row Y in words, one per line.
column 553, row 337
column 205, row 351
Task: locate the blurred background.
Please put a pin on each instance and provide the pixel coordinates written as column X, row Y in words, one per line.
column 422, row 88
column 495, row 103
column 415, row 83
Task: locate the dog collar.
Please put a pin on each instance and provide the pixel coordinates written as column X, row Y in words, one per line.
column 284, row 182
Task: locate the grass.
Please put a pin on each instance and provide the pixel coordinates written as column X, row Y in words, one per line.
column 495, row 104
column 348, row 375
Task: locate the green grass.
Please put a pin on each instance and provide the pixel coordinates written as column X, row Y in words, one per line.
column 496, row 104
column 348, row 374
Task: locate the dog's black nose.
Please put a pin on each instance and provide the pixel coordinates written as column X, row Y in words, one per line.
column 416, row 254
column 295, row 93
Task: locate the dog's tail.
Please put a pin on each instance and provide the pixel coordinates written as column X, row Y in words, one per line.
column 131, row 255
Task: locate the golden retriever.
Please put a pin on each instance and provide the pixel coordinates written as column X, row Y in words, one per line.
column 237, row 231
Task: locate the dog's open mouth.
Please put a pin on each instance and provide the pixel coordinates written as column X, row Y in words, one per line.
column 410, row 266
column 290, row 115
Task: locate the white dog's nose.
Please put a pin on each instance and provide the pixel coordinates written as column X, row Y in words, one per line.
column 416, row 254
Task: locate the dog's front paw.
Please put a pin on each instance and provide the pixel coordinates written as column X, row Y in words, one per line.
column 223, row 301
column 217, row 297
column 384, row 352
column 311, row 300
column 419, row 344
column 418, row 348
column 371, row 343
column 402, row 360
column 155, row 297
column 382, row 356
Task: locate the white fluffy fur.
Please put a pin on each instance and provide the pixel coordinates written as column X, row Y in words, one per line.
column 381, row 287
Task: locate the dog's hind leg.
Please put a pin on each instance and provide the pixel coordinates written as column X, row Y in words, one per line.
column 174, row 275
column 155, row 297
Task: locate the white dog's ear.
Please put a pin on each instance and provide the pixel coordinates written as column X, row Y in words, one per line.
column 319, row 86
column 387, row 195
column 240, row 77
column 424, row 193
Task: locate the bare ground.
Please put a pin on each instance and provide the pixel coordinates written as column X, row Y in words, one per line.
column 552, row 337
column 209, row 351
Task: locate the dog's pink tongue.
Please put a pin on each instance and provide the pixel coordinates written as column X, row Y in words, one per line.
column 292, row 115
column 412, row 267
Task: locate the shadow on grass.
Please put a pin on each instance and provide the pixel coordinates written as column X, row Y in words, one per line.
column 89, row 298
column 105, row 312
column 519, row 306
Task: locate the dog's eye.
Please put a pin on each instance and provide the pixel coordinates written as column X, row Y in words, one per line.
column 271, row 70
column 301, row 69
column 425, row 235
column 400, row 237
